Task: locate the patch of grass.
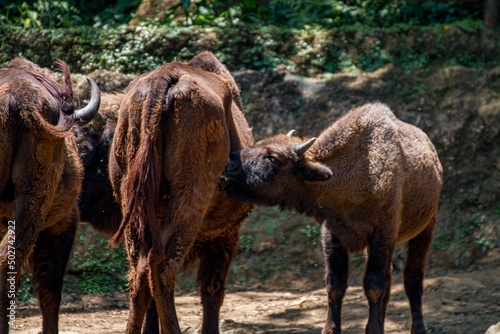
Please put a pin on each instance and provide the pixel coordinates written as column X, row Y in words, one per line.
column 100, row 268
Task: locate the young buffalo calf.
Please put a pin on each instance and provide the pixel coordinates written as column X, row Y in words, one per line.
column 371, row 181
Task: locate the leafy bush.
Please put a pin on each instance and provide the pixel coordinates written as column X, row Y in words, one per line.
column 100, row 268
column 312, row 234
column 290, row 13
column 329, row 13
column 246, row 243
column 55, row 14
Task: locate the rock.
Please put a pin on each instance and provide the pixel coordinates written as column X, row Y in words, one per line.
column 308, row 86
column 459, row 256
column 109, row 81
column 494, row 329
column 268, row 244
column 489, row 109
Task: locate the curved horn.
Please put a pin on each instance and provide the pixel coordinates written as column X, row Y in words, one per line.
column 291, row 133
column 86, row 114
column 302, row 148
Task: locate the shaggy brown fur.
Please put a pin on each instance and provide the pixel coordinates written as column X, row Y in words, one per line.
column 176, row 128
column 40, row 176
column 371, row 181
column 97, row 203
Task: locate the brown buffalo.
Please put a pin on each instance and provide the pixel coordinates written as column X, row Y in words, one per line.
column 40, row 177
column 176, row 128
column 371, row 181
column 97, row 203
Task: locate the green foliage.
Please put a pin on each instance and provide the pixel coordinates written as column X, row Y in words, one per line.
column 70, row 13
column 41, row 13
column 136, row 50
column 313, row 235
column 483, row 244
column 268, row 271
column 325, row 13
column 101, row 269
column 25, row 291
column 289, row 13
column 375, row 58
column 442, row 241
column 266, row 219
column 239, row 278
column 117, row 13
column 357, row 258
column 475, row 221
column 246, row 243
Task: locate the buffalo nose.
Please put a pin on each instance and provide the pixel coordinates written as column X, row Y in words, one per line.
column 233, row 167
column 234, row 156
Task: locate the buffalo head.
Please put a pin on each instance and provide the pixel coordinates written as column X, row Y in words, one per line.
column 272, row 170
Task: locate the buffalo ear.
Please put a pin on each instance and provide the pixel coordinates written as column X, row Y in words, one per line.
column 313, row 171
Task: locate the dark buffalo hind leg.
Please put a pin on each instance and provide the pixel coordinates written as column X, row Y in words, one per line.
column 336, row 266
column 377, row 280
column 49, row 263
column 215, row 260
column 27, row 220
column 418, row 249
column 12, row 256
column 151, row 324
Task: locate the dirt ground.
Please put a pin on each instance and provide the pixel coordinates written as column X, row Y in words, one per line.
column 454, row 302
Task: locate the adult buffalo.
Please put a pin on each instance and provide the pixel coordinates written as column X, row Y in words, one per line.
column 97, row 203
column 371, row 181
column 176, row 128
column 40, row 179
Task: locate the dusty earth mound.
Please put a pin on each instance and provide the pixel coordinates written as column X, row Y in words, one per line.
column 458, row 107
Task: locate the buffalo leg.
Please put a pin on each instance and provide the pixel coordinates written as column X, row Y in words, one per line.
column 49, row 264
column 140, row 293
column 12, row 256
column 336, row 273
column 151, row 325
column 163, row 274
column 27, row 220
column 200, row 125
column 418, row 249
column 179, row 234
column 140, row 298
column 377, row 280
column 212, row 273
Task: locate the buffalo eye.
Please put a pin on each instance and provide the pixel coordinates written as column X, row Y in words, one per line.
column 273, row 160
